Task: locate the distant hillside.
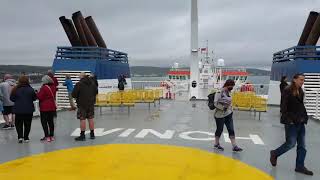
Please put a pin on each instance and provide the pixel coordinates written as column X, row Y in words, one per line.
column 148, row 71
column 162, row 71
column 18, row 69
column 35, row 73
column 258, row 72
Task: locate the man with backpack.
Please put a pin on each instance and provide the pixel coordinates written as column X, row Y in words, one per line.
column 85, row 93
column 6, row 88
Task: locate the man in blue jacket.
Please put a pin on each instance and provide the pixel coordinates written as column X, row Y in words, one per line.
column 69, row 84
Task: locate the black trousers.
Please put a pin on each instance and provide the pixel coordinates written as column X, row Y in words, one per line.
column 228, row 121
column 47, row 123
column 23, row 120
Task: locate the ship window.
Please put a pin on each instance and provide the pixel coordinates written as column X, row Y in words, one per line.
column 182, row 77
column 206, row 71
column 170, row 77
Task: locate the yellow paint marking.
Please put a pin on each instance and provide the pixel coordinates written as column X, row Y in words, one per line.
column 129, row 161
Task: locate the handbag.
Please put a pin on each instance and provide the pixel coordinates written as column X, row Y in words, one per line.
column 54, row 99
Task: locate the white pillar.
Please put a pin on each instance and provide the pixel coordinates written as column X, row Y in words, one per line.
column 194, row 64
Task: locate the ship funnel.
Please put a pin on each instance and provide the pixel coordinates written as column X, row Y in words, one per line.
column 77, row 23
column 70, row 31
column 307, row 28
column 86, row 31
column 315, row 33
column 95, row 32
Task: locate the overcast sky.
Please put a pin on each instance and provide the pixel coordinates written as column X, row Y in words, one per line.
column 156, row 32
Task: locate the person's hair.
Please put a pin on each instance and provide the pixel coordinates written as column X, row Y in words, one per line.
column 46, row 80
column 82, row 75
column 50, row 72
column 7, row 76
column 22, row 81
column 293, row 87
column 283, row 78
column 229, row 82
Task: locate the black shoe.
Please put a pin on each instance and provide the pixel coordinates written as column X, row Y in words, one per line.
column 304, row 170
column 218, row 147
column 236, row 149
column 80, row 138
column 92, row 136
column 6, row 126
column 273, row 158
column 20, row 140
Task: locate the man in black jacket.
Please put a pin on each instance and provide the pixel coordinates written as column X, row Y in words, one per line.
column 85, row 92
column 294, row 117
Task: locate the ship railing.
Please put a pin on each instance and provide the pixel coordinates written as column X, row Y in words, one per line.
column 297, row 52
column 145, row 84
column 317, row 113
column 90, row 53
column 312, row 103
column 259, row 89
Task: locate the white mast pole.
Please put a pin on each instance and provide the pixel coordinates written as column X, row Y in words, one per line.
column 194, row 64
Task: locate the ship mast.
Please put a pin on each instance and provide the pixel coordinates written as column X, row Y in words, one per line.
column 194, row 64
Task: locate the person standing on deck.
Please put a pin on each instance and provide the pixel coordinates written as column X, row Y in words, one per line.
column 294, row 117
column 283, row 85
column 23, row 96
column 47, row 102
column 6, row 88
column 69, row 84
column 121, row 82
column 85, row 92
column 223, row 115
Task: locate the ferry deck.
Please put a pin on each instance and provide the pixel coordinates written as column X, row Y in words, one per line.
column 173, row 140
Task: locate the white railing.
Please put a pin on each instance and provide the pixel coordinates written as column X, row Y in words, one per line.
column 316, row 116
column 145, row 84
column 260, row 89
column 312, row 99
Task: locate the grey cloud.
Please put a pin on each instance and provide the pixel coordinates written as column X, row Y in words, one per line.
column 156, row 32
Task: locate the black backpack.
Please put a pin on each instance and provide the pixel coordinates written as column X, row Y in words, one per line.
column 211, row 101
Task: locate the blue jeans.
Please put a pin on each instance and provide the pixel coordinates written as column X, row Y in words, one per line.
column 228, row 121
column 295, row 133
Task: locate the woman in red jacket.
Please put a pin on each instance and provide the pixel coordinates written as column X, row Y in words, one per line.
column 48, row 107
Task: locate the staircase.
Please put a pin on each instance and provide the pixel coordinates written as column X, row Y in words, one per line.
column 312, row 94
column 62, row 93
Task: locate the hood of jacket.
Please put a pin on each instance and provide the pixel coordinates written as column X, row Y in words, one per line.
column 86, row 81
column 11, row 82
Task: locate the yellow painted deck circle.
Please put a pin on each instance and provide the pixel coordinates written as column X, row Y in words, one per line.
column 129, row 161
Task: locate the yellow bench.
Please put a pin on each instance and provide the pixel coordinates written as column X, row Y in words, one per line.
column 127, row 98
column 249, row 101
column 145, row 96
column 114, row 99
